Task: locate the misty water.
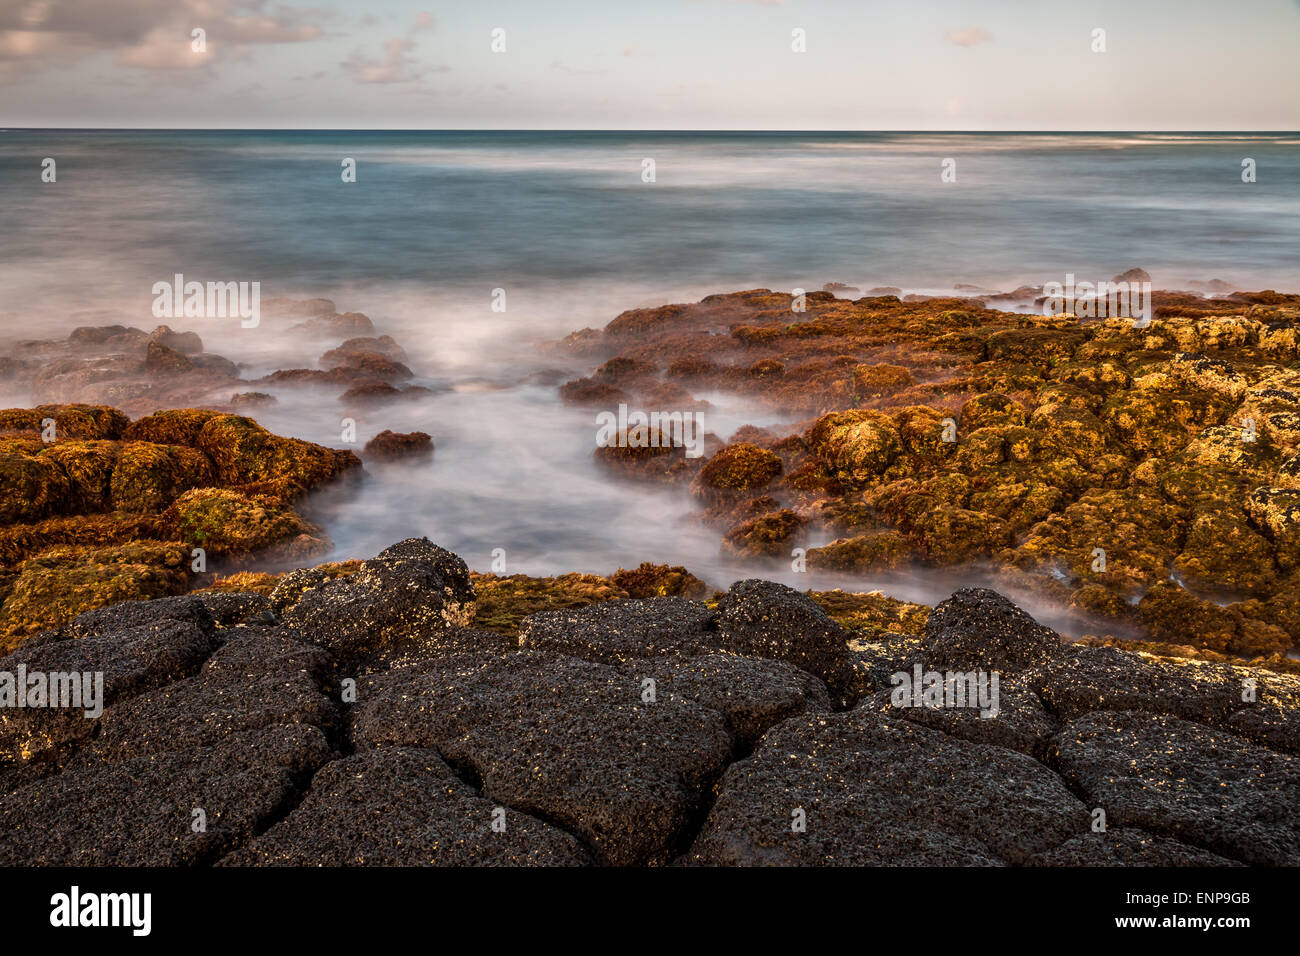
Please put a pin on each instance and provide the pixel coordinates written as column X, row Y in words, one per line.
column 565, row 225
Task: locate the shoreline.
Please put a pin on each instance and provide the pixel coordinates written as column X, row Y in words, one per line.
column 833, row 495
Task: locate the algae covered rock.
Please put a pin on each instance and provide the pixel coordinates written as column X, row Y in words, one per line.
column 410, row 592
column 148, row 477
column 62, row 582
column 739, row 467
column 232, row 524
column 243, row 452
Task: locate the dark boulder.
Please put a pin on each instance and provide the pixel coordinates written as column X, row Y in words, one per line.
column 979, row 629
column 871, row 790
column 1204, row 787
column 765, row 619
column 570, row 741
column 412, row 591
column 142, row 811
column 404, row 807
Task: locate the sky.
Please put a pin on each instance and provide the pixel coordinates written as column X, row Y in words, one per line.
column 669, row 64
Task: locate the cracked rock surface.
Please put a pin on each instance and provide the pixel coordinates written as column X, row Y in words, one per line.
column 363, row 720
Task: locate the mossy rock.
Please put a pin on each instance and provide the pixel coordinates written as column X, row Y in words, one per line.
column 177, row 426
column 503, row 601
column 868, row 552
column 242, row 582
column 244, row 452
column 89, row 466
column 991, row 408
column 149, row 477
column 1139, row 532
column 21, row 541
column 32, row 486
column 58, row 584
column 858, row 445
column 1223, row 554
column 1173, row 615
column 921, row 430
column 872, row 615
column 956, row 535
column 740, row 467
column 86, row 422
column 231, row 524
column 659, row 580
column 768, row 535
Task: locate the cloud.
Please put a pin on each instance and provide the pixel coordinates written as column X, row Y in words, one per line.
column 395, row 66
column 565, row 68
column 142, row 34
column 398, row 63
column 971, row 36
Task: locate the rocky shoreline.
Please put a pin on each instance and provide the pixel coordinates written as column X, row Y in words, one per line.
column 1141, row 473
column 359, row 717
column 406, row 710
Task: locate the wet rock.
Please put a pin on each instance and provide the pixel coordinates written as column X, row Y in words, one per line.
column 187, row 343
column 410, row 591
column 879, row 791
column 567, row 740
column 1133, row 275
column 765, row 619
column 372, row 394
column 253, row 400
column 979, row 629
column 585, row 391
column 373, row 365
column 404, row 807
column 1201, row 786
column 615, row 632
column 140, row 812
column 384, row 346
column 397, row 446
column 161, row 360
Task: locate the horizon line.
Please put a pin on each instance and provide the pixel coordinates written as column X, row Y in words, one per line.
column 552, row 129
